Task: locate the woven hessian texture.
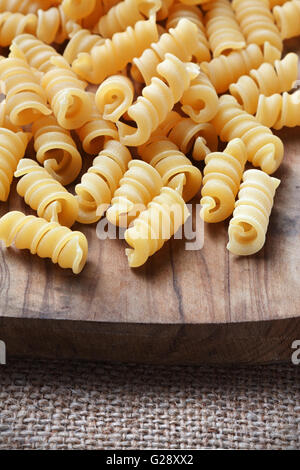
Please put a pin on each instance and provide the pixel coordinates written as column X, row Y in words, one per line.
column 62, row 405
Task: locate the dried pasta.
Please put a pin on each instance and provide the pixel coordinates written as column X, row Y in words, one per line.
column 200, row 101
column 248, row 227
column 180, row 11
column 257, row 22
column 97, row 186
column 114, row 96
column 25, row 6
column 223, row 31
column 81, row 41
column 139, row 185
column 126, row 13
column 46, row 239
column 157, row 100
column 182, row 41
column 163, row 12
column 165, row 214
column 78, row 9
column 56, row 150
column 25, row 98
column 96, row 131
column 222, row 177
column 175, row 169
column 287, row 18
column 267, row 80
column 114, row 54
column 66, row 94
column 12, row 149
column 226, row 69
column 44, row 194
column 279, row 111
column 264, row 149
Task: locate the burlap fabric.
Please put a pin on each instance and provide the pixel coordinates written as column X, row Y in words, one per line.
column 68, row 405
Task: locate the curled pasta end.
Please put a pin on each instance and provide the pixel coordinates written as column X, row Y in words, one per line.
column 243, row 238
column 78, row 245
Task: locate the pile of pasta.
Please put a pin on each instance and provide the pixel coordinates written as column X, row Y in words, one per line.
column 143, row 90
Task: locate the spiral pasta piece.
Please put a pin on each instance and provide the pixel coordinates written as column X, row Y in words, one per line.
column 78, row 9
column 178, row 12
column 139, row 185
column 267, row 80
column 114, row 96
column 264, row 149
column 25, row 98
column 165, row 214
column 12, row 149
column 175, row 169
column 223, row 31
column 26, row 6
column 163, row 12
column 37, row 53
column 81, row 41
column 56, row 150
column 96, row 131
column 257, row 22
column 97, row 186
column 157, row 100
column 44, row 194
column 181, row 41
column 224, row 70
column 66, row 94
column 115, row 53
column 46, row 239
column 222, row 177
column 287, row 18
column 126, row 13
column 248, row 227
column 200, row 101
column 279, row 111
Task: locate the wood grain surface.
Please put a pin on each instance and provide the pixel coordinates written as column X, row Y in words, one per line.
column 181, row 307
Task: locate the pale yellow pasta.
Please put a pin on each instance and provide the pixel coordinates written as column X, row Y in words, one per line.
column 126, row 13
column 139, row 185
column 56, row 150
column 113, row 56
column 77, row 9
column 264, row 149
column 223, row 31
column 279, row 111
column 96, row 131
column 199, row 139
column 26, row 6
column 12, row 149
column 114, row 96
column 163, row 12
column 97, row 186
column 200, row 101
column 81, row 41
column 226, row 69
column 248, row 227
column 182, row 41
column 25, row 98
column 165, row 214
column 46, row 239
column 257, row 22
column 44, row 194
column 222, row 177
column 90, row 22
column 157, row 99
column 66, row 94
column 175, row 169
column 37, row 53
column 178, row 12
column 287, row 18
column 267, row 80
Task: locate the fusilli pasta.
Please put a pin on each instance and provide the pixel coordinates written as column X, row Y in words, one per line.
column 248, row 227
column 114, row 96
column 222, row 177
column 46, row 239
column 287, row 18
column 97, row 186
column 81, row 41
column 279, row 111
column 200, row 101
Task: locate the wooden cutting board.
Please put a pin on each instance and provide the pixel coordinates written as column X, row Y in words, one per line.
column 204, row 306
